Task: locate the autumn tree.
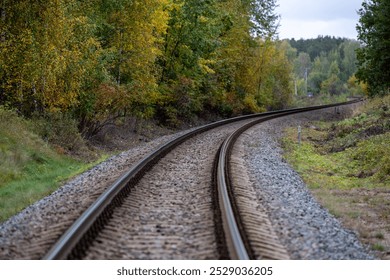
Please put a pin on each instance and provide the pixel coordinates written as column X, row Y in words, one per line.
column 272, row 76
column 44, row 54
column 374, row 56
column 248, row 56
column 98, row 60
column 131, row 36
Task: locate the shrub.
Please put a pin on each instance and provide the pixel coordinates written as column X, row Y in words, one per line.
column 60, row 130
column 374, row 156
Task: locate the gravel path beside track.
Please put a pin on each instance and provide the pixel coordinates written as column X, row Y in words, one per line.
column 306, row 229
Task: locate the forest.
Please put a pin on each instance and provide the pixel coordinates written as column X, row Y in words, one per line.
column 173, row 61
column 168, row 59
column 325, row 66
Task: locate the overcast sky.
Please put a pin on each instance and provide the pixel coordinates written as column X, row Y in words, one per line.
column 310, row 18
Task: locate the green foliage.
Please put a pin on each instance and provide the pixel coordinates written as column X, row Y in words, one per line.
column 374, row 57
column 378, row 247
column 372, row 121
column 61, row 132
column 44, row 55
column 173, row 60
column 333, row 85
column 265, row 21
column 188, row 59
column 325, row 66
column 212, row 64
column 315, row 47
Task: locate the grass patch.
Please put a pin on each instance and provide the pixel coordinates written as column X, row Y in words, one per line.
column 378, row 247
column 346, row 165
column 36, row 180
column 29, row 168
column 325, row 170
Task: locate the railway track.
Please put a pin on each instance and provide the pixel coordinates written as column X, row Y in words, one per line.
column 146, row 214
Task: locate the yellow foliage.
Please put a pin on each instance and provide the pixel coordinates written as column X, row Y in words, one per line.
column 204, row 65
column 356, row 86
column 251, row 103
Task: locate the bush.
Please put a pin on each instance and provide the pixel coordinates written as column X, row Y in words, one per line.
column 60, row 130
column 374, row 156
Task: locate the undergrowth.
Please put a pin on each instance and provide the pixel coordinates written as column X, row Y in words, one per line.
column 346, row 164
column 30, row 167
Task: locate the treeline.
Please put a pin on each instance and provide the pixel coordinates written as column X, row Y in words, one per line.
column 314, row 47
column 325, row 65
column 172, row 60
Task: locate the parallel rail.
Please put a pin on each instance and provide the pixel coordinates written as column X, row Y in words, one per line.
column 236, row 239
column 74, row 242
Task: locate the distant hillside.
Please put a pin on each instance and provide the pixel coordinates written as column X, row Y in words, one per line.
column 314, row 47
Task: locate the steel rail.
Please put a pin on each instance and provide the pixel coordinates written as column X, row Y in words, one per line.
column 73, row 243
column 75, row 239
column 237, row 242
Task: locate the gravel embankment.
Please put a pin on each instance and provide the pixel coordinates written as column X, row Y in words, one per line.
column 29, row 234
column 307, row 230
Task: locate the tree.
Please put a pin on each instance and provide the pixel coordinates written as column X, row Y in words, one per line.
column 329, row 63
column 374, row 56
column 264, row 19
column 348, row 59
column 273, row 80
column 252, row 69
column 103, row 59
column 46, row 55
column 188, row 59
column 131, row 35
column 302, row 64
column 318, row 73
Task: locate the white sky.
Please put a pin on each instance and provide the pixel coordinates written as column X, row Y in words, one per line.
column 310, row 18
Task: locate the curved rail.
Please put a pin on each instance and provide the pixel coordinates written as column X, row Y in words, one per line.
column 236, row 239
column 82, row 232
column 78, row 237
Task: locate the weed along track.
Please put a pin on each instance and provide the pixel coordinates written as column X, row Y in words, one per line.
column 187, row 199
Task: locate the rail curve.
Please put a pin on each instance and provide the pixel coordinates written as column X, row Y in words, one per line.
column 73, row 243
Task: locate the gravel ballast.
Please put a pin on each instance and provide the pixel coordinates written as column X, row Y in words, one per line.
column 30, row 233
column 306, row 229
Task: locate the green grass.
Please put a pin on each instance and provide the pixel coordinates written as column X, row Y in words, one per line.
column 34, row 182
column 351, row 153
column 325, row 170
column 346, row 165
column 29, row 168
column 378, row 247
